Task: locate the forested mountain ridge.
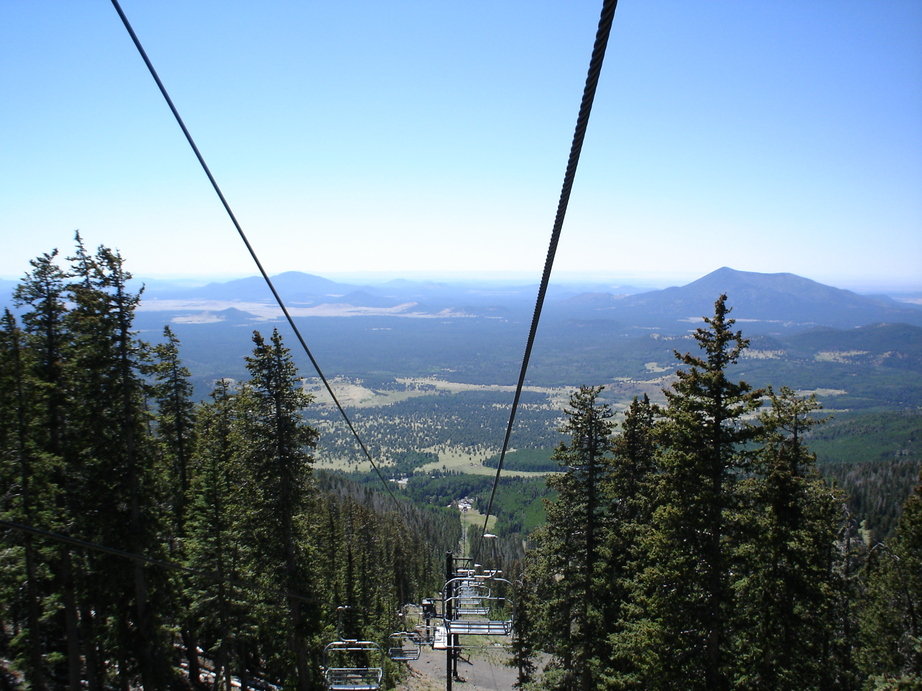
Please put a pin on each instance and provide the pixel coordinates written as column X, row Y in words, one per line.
column 814, row 337
column 767, row 302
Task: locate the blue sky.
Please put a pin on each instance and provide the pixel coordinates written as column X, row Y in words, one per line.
column 430, row 138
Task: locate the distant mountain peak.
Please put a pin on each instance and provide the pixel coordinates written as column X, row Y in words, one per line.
column 771, row 298
column 726, row 273
column 730, row 281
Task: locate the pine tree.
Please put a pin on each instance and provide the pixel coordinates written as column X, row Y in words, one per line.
column 631, row 495
column 42, row 294
column 568, row 568
column 681, row 636
column 175, row 423
column 175, row 434
column 112, row 457
column 848, row 557
column 891, row 617
column 523, row 649
column 787, row 583
column 21, row 473
column 219, row 501
column 281, row 466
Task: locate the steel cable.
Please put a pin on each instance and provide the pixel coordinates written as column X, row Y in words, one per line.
column 249, row 247
column 582, row 121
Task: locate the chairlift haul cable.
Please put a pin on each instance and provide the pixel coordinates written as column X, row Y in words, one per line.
column 371, row 676
column 595, row 67
column 246, row 242
column 582, row 121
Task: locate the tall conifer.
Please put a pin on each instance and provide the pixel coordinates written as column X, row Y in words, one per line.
column 175, row 423
column 175, row 434
column 568, row 567
column 281, row 465
column 682, row 638
column 21, row 473
column 786, row 562
column 219, row 501
column 631, row 495
column 891, row 618
column 523, row 637
column 42, row 293
column 112, row 452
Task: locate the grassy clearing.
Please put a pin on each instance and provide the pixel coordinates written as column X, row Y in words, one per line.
column 346, row 465
column 556, row 394
column 456, row 458
column 472, row 517
column 471, row 526
column 352, row 394
column 463, row 461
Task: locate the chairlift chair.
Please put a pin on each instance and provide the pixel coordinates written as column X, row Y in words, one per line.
column 473, row 599
column 475, row 609
column 404, row 646
column 352, row 665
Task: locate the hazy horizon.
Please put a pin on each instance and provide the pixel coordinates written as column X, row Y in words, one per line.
column 647, row 281
column 772, row 137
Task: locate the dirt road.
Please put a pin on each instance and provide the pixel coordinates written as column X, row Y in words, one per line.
column 481, row 669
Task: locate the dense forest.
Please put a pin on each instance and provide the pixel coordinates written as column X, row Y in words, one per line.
column 472, row 420
column 149, row 540
column 155, row 539
column 699, row 548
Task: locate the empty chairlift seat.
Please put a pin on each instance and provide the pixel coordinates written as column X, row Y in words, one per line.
column 350, row 665
column 478, row 606
column 404, row 646
column 473, row 599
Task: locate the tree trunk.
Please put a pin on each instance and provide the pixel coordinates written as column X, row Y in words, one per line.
column 93, row 671
column 35, row 639
column 71, row 622
column 192, row 658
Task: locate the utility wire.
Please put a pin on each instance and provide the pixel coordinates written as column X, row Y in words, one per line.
column 153, row 561
column 582, row 121
column 249, row 247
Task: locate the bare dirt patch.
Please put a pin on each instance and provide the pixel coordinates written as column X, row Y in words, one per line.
column 481, row 668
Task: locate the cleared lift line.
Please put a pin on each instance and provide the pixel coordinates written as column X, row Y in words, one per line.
column 592, row 79
column 452, row 626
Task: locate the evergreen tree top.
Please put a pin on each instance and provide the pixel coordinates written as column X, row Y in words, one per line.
column 721, row 345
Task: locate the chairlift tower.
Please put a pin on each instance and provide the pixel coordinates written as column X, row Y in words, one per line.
column 474, row 603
